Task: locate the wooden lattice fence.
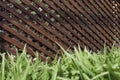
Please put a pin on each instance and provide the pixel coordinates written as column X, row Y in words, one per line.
column 43, row 24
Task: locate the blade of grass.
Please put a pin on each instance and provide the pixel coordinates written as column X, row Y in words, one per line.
column 3, row 66
column 100, row 75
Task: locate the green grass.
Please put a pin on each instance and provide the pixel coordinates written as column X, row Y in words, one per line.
column 82, row 65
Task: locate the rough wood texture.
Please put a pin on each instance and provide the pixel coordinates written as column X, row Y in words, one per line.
column 42, row 24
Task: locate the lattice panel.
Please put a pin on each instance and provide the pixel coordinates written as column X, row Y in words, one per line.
column 42, row 24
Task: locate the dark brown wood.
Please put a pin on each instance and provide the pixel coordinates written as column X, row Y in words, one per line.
column 42, row 25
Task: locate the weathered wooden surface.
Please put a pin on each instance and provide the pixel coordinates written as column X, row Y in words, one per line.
column 44, row 23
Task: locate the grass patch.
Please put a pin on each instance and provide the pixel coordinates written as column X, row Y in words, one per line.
column 76, row 65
